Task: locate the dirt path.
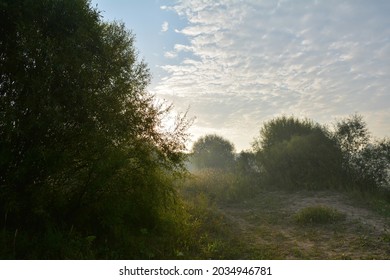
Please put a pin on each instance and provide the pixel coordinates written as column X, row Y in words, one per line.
column 341, row 203
column 266, row 221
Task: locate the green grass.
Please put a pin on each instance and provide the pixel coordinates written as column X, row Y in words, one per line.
column 379, row 202
column 318, row 215
column 230, row 220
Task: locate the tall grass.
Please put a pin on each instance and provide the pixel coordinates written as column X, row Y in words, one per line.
column 220, row 185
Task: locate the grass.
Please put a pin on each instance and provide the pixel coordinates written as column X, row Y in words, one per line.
column 279, row 224
column 318, row 215
column 219, row 185
column 378, row 202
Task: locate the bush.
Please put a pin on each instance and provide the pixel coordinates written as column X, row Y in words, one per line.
column 318, row 215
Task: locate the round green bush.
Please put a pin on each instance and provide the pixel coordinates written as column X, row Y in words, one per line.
column 318, row 215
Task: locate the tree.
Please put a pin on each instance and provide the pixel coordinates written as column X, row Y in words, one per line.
column 373, row 164
column 282, row 129
column 81, row 144
column 213, row 151
column 352, row 134
column 366, row 163
column 297, row 154
column 246, row 163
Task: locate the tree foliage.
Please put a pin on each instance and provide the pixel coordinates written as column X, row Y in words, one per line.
column 297, row 153
column 246, row 163
column 213, row 151
column 352, row 134
column 282, row 129
column 81, row 144
column 366, row 162
column 373, row 163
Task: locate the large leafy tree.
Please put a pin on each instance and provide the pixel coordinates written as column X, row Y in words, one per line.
column 282, row 129
column 213, row 151
column 296, row 153
column 81, row 142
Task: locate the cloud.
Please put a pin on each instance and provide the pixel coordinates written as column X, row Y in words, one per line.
column 248, row 61
column 165, row 26
column 170, row 54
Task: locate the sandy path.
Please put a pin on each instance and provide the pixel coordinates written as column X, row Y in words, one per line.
column 268, row 220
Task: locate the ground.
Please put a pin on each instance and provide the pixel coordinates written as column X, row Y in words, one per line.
column 265, row 228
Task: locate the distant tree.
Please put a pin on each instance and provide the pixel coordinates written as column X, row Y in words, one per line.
column 373, row 164
column 213, row 151
column 282, row 129
column 352, row 134
column 366, row 163
column 81, row 144
column 246, row 163
column 297, row 153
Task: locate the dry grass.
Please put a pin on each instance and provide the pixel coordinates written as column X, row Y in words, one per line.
column 265, row 227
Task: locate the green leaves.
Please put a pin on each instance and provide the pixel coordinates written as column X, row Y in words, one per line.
column 298, row 154
column 282, row 129
column 213, row 151
column 295, row 153
column 81, row 140
column 352, row 134
column 366, row 162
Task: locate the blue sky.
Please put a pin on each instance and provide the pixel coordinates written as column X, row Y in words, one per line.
column 236, row 64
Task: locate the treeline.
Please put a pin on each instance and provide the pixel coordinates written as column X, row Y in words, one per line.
column 291, row 160
column 87, row 170
column 295, row 154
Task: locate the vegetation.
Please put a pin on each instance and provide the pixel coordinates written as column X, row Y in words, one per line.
column 318, row 215
column 300, row 193
column 213, row 151
column 366, row 163
column 87, row 170
column 298, row 154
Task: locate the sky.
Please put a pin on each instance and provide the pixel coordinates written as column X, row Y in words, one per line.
column 235, row 64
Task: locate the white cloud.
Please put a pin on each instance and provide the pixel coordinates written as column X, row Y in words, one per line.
column 248, row 61
column 165, row 26
column 170, row 54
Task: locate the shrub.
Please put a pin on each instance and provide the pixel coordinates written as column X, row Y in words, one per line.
column 318, row 215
